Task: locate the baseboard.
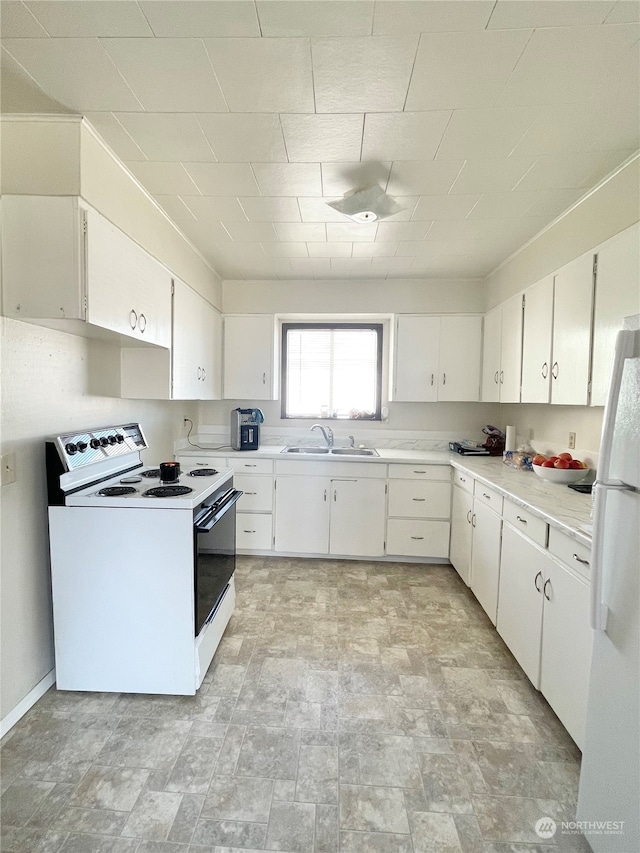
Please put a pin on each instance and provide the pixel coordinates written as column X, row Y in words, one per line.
column 28, row 702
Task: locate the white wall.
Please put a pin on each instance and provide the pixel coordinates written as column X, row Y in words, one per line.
column 47, row 387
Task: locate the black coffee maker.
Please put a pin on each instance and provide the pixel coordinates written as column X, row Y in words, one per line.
column 245, row 428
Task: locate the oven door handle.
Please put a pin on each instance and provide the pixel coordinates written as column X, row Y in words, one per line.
column 204, row 525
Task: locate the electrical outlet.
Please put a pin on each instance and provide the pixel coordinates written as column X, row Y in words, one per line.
column 8, row 468
column 572, row 440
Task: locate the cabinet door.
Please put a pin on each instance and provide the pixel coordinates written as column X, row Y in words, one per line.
column 302, row 514
column 536, row 345
column 460, row 545
column 249, row 357
column 485, row 558
column 212, row 385
column 187, row 349
column 416, row 368
column 357, row 517
column 460, row 356
column 572, row 309
column 511, row 350
column 567, row 640
column 617, row 296
column 519, row 623
column 492, row 330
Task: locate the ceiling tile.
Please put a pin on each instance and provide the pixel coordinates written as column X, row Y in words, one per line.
column 353, row 267
column 454, row 229
column 215, row 208
column 390, row 266
column 444, row 206
column 408, row 205
column 512, row 232
column 167, row 75
column 222, row 19
column 455, row 70
column 260, row 209
column 286, row 250
column 486, row 133
column 503, row 205
column 548, row 13
column 374, row 250
column 251, row 232
column 579, row 169
column 244, row 137
column 223, row 178
column 311, row 267
column 175, row 208
column 288, row 179
column 411, row 16
column 564, row 65
column 350, row 231
column 554, row 202
column 163, row 178
column 341, row 178
column 403, row 136
column 54, row 63
column 329, row 250
column 624, row 12
column 310, row 138
column 110, row 18
column 362, row 74
column 317, row 210
column 210, row 237
column 311, row 18
column 264, row 75
column 116, row 137
column 496, row 175
column 299, row 232
column 167, row 136
column 427, row 178
column 415, row 248
column 395, row 231
column 19, row 93
column 19, row 23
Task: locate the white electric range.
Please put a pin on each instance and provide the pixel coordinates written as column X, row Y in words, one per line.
column 141, row 569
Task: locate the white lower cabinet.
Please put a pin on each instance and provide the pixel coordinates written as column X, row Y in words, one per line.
column 485, row 557
column 357, row 518
column 254, row 531
column 418, row 511
column 461, row 532
column 302, row 514
column 416, row 538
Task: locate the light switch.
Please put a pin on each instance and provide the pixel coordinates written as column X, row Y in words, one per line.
column 8, row 468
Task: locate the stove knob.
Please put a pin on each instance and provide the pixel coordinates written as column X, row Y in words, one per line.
column 71, row 448
column 82, row 446
column 119, row 438
column 94, row 443
column 111, row 439
column 104, row 441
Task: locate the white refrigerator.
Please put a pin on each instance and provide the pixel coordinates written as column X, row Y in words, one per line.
column 609, row 795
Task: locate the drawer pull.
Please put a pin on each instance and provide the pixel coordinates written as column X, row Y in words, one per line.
column 544, row 588
column 419, row 500
column 419, row 472
column 248, row 531
column 580, row 560
column 417, row 537
column 251, row 493
column 521, row 520
column 485, row 495
column 249, row 465
column 535, row 581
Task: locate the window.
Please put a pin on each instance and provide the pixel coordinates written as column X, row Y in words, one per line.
column 331, row 370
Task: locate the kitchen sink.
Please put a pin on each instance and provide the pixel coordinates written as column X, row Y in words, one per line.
column 305, row 450
column 336, row 451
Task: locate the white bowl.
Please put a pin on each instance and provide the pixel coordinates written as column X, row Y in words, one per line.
column 561, row 475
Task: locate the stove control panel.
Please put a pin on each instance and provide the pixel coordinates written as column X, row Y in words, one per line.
column 86, row 448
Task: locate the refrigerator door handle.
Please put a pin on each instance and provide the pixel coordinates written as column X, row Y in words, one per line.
column 625, row 347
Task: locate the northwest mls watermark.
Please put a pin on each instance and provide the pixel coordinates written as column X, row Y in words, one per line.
column 546, row 827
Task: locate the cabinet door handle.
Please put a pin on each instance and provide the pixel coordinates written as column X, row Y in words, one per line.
column 417, row 537
column 199, row 373
column 133, row 319
column 535, row 581
column 545, row 370
column 444, row 378
column 204, row 374
column 325, row 495
column 554, row 370
column 418, row 500
column 521, row 520
column 469, row 517
column 264, row 378
column 334, row 495
column 502, row 377
column 495, row 378
column 544, row 588
column 580, row 560
column 142, row 323
column 432, row 378
column 473, row 520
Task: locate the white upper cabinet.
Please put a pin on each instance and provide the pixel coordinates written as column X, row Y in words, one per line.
column 437, row 358
column 250, row 357
column 537, row 340
column 571, row 348
column 66, row 266
column 502, row 352
column 196, row 346
column 617, row 296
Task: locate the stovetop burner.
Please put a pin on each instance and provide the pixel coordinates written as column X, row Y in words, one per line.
column 202, row 472
column 116, row 491
column 151, row 473
column 167, row 491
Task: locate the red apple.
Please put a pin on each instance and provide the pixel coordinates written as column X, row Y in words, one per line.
column 561, row 463
column 553, row 458
column 539, row 458
column 575, row 464
column 548, row 464
column 566, row 456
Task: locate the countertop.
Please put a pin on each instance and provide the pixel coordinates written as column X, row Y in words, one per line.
column 559, row 506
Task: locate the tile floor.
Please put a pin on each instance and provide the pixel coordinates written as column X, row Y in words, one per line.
column 351, row 706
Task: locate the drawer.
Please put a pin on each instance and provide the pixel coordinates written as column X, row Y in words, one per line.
column 409, row 538
column 202, row 461
column 258, row 492
column 570, row 551
column 250, row 464
column 487, row 495
column 420, row 471
column 417, row 499
column 254, row 532
column 526, row 522
column 462, row 479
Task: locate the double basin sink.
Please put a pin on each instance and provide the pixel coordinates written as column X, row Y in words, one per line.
column 332, row 451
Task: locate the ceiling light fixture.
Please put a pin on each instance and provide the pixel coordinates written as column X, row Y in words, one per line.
column 366, row 205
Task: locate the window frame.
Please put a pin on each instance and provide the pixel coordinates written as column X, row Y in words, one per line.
column 301, row 324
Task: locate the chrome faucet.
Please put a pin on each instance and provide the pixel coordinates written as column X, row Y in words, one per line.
column 327, row 433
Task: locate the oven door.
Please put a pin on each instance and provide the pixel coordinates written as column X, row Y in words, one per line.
column 214, row 555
